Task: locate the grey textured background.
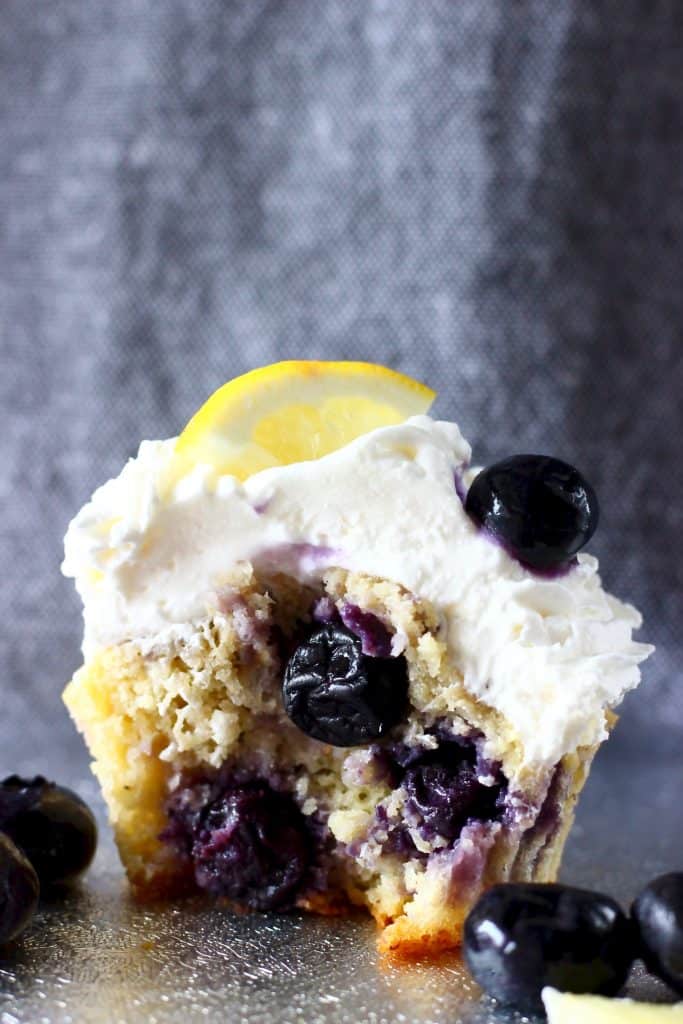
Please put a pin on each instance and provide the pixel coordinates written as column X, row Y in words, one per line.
column 487, row 194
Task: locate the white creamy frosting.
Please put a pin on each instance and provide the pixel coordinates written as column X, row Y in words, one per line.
column 549, row 654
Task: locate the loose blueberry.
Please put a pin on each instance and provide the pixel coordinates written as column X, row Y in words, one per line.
column 19, row 890
column 540, row 509
column 339, row 695
column 252, row 846
column 53, row 826
column 658, row 913
column 445, row 792
column 519, row 938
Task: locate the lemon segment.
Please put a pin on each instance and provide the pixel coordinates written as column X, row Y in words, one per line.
column 565, row 1008
column 293, row 412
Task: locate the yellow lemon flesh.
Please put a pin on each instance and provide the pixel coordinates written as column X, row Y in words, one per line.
column 292, row 412
column 565, row 1008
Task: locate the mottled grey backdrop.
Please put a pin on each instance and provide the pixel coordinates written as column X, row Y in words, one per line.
column 487, row 194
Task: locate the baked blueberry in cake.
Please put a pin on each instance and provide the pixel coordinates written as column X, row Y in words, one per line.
column 327, row 664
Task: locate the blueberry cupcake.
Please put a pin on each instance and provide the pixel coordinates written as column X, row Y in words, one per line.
column 328, row 665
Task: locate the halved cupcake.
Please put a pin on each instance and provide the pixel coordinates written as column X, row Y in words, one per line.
column 322, row 668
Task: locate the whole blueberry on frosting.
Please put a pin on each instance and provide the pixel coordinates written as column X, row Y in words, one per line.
column 338, row 695
column 541, row 510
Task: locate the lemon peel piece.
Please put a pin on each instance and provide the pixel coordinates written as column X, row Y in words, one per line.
column 567, row 1008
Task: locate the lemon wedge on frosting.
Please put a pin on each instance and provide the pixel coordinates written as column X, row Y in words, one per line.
column 564, row 1008
column 292, row 412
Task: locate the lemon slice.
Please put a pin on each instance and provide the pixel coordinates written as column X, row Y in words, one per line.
column 292, row 412
column 563, row 1008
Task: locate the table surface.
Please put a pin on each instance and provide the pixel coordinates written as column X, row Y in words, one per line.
column 94, row 956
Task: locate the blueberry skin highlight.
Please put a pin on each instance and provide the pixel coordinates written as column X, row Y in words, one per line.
column 658, row 913
column 338, row 695
column 521, row 937
column 19, row 890
column 540, row 509
column 51, row 824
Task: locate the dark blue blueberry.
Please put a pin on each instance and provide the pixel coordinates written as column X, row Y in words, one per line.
column 540, row 509
column 658, row 913
column 53, row 826
column 19, row 890
column 445, row 792
column 336, row 694
column 251, row 846
column 519, row 938
column 400, row 842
